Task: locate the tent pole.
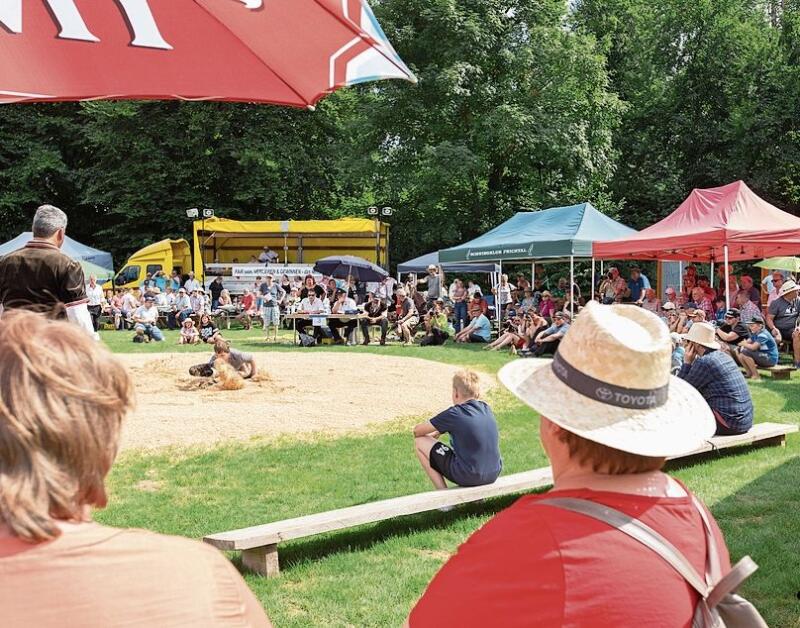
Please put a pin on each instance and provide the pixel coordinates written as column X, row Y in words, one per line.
column 680, row 276
column 533, row 274
column 591, row 296
column 725, row 278
column 571, row 284
column 497, row 300
column 711, row 272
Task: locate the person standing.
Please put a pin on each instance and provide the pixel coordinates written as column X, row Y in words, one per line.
column 40, row 277
column 435, row 283
column 541, row 563
column 215, row 288
column 94, row 296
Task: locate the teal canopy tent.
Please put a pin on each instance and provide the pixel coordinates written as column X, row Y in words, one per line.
column 555, row 233
column 558, row 232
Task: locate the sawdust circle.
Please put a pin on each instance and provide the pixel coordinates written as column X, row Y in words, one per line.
column 293, row 393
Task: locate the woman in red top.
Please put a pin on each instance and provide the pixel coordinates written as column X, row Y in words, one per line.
column 611, row 415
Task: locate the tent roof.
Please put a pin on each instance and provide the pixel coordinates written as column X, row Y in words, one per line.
column 421, row 263
column 549, row 233
column 705, row 222
column 72, row 248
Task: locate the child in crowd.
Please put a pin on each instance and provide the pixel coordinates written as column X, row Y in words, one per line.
column 473, row 456
column 209, row 332
column 189, row 335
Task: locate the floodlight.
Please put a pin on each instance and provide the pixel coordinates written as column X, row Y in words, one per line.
column 192, row 213
column 387, row 211
column 208, row 213
column 372, row 211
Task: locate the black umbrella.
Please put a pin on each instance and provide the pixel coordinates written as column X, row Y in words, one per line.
column 340, row 266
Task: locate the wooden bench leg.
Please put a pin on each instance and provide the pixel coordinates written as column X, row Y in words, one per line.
column 782, row 374
column 775, row 441
column 262, row 560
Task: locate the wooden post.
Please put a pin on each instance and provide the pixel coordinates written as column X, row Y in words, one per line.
column 262, row 560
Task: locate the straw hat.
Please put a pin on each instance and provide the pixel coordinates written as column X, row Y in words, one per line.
column 703, row 334
column 788, row 286
column 610, row 383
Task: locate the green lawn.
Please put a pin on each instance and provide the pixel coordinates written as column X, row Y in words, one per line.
column 371, row 576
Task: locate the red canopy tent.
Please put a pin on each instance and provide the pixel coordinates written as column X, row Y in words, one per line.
column 286, row 52
column 728, row 223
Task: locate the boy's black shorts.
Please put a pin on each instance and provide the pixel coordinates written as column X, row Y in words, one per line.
column 441, row 459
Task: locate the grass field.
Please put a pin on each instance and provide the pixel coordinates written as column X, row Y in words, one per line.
column 371, row 576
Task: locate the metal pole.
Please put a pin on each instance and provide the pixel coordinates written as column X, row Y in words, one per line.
column 533, row 275
column 726, row 283
column 571, row 283
column 499, row 306
column 203, row 255
column 680, row 276
column 711, row 275
column 591, row 296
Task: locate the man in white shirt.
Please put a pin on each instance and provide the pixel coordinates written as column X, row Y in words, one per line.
column 192, row 284
column 95, row 295
column 183, row 306
column 268, row 256
column 312, row 304
column 145, row 318
column 129, row 305
column 343, row 305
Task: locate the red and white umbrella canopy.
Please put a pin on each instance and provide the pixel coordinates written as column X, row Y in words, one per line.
column 286, row 52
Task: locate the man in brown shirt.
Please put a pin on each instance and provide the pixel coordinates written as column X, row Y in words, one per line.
column 40, row 277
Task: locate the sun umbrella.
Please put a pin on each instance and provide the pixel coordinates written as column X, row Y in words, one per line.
column 340, row 266
column 792, row 264
column 287, row 52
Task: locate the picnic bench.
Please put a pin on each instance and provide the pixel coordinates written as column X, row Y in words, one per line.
column 779, row 371
column 259, row 544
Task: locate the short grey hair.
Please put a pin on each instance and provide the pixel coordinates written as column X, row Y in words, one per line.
column 47, row 220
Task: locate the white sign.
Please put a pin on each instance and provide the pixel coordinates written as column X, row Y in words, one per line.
column 276, row 270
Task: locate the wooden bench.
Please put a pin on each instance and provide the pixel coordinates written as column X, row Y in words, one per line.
column 259, row 544
column 779, row 371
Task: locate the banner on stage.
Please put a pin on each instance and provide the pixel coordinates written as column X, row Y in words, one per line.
column 276, row 270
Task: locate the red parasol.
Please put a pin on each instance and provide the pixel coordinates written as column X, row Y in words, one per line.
column 286, row 52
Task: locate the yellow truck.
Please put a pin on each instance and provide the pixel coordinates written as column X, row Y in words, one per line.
column 165, row 255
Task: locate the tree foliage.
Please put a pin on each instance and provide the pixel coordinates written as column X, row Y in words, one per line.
column 520, row 104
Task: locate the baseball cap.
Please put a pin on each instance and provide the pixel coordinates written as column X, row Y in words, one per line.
column 756, row 319
column 733, row 313
column 149, row 298
column 669, row 290
column 669, row 305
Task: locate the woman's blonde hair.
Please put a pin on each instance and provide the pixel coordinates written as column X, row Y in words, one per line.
column 62, row 401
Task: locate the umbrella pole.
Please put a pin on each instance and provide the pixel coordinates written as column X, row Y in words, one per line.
column 725, row 278
column 591, row 296
column 571, row 284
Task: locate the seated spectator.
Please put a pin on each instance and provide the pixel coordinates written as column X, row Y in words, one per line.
column 547, row 341
column 478, row 330
column 375, row 313
column 718, row 379
column 343, row 305
column 189, row 334
column 310, row 305
column 759, row 351
column 538, row 564
column 437, row 327
column 198, row 302
column 145, row 319
column 248, row 309
column 677, row 352
column 704, row 283
column 704, row 303
column 776, row 284
column 547, row 306
column 225, row 303
column 689, row 284
column 209, row 332
column 746, row 307
column 129, row 305
column 671, row 296
column 783, row 317
column 477, row 305
column 115, row 308
column 720, row 310
column 64, row 401
column 528, row 301
column 309, row 284
column 746, row 286
column 407, row 316
column 732, row 332
column 669, row 313
column 183, row 306
column 473, row 456
column 651, row 302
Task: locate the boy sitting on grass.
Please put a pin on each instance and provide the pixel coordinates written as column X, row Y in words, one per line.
column 473, row 456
